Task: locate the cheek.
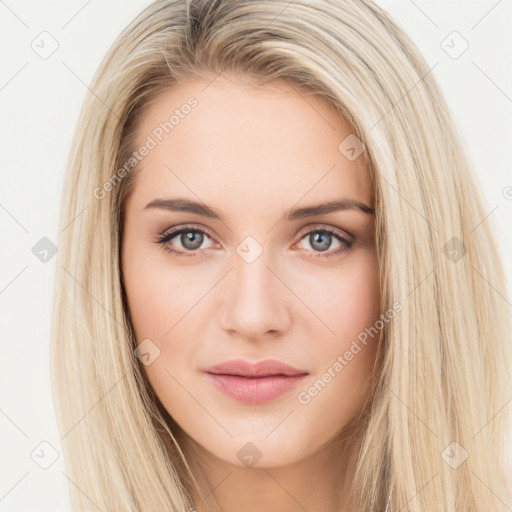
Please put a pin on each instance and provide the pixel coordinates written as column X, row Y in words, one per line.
column 349, row 300
column 158, row 300
column 157, row 295
column 146, row 302
column 161, row 302
column 346, row 355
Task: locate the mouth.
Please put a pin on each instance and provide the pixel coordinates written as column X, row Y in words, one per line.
column 255, row 383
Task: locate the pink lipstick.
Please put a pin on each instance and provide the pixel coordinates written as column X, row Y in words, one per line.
column 254, row 383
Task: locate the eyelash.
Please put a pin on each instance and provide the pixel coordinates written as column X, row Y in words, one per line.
column 166, row 236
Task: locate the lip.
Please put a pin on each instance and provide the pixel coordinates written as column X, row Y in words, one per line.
column 254, row 383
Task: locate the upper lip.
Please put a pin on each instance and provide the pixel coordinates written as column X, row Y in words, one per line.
column 258, row 369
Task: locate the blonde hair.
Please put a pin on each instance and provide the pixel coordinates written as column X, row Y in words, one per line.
column 443, row 361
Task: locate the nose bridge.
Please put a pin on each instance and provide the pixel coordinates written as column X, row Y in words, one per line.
column 255, row 304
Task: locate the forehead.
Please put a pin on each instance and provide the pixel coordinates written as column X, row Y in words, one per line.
column 264, row 144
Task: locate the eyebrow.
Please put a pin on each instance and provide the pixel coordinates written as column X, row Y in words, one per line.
column 186, row 205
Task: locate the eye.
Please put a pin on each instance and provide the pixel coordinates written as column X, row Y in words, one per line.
column 321, row 239
column 189, row 237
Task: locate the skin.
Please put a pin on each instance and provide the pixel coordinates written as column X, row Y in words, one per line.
column 253, row 153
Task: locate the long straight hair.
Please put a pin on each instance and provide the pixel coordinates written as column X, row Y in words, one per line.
column 435, row 434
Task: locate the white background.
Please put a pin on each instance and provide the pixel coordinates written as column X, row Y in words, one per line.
column 40, row 101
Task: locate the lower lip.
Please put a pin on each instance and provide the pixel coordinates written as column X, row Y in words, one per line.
column 255, row 390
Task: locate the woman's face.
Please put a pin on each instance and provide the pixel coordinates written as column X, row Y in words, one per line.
column 257, row 274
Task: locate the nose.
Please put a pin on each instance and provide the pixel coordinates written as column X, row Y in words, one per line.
column 256, row 304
